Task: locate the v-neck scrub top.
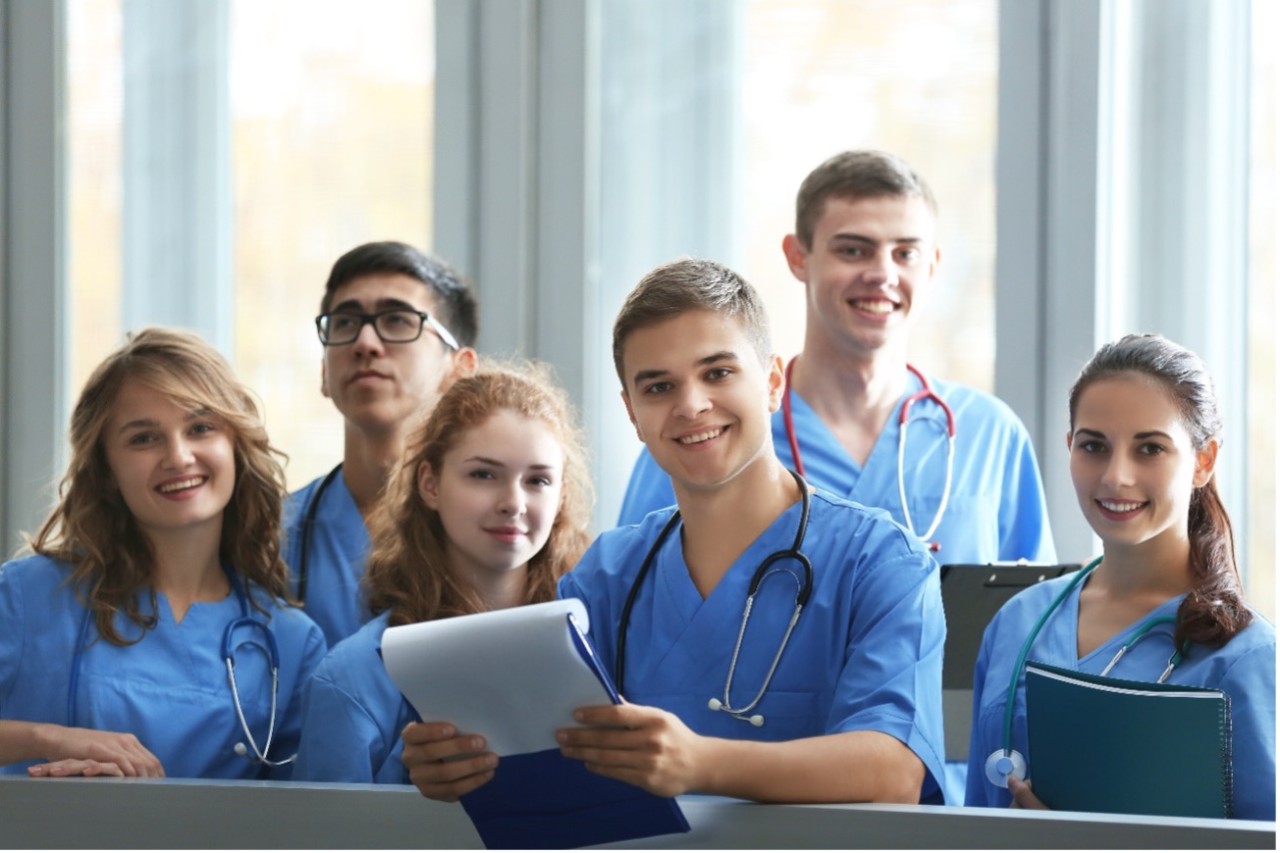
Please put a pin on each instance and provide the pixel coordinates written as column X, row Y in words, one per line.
column 866, row 653
column 1245, row 669
column 169, row 689
column 996, row 510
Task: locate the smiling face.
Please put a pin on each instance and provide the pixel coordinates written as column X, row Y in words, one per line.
column 1132, row 462
column 175, row 468
column 497, row 494
column 699, row 397
column 376, row 385
column 870, row 259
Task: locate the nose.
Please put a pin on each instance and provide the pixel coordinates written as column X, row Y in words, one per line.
column 367, row 340
column 692, row 401
column 178, row 453
column 1118, row 473
column 881, row 269
column 511, row 503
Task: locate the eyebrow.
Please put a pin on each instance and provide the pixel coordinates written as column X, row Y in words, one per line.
column 152, row 423
column 384, row 304
column 714, row 358
column 499, row 464
column 1153, row 433
column 862, row 239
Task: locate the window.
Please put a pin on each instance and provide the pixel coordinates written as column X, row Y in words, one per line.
column 322, row 117
column 915, row 77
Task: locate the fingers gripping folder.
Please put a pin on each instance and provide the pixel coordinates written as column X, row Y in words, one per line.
column 515, row 676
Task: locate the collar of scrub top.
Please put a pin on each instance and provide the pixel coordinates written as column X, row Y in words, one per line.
column 804, row 588
column 268, row 644
column 1007, row 761
column 926, row 392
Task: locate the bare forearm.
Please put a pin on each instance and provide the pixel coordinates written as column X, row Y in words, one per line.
column 19, row 741
column 851, row 767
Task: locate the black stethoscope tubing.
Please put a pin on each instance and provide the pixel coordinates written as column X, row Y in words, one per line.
column 792, row 553
column 308, row 522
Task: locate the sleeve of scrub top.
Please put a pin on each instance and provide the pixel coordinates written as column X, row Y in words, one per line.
column 1251, row 684
column 892, row 678
column 341, row 741
column 310, row 654
column 12, row 632
column 1024, row 515
column 648, row 489
column 978, row 791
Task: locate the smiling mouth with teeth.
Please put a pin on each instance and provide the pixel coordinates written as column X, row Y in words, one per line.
column 1121, row 506
column 878, row 306
column 700, row 437
column 179, row 486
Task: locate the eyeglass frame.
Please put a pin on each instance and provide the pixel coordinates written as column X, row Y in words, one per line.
column 424, row 318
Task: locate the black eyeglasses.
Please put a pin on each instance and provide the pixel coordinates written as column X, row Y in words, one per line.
column 393, row 326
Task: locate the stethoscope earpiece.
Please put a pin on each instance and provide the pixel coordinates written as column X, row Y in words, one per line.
column 1004, row 763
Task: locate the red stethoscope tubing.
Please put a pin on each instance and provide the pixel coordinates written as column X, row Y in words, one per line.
column 926, row 392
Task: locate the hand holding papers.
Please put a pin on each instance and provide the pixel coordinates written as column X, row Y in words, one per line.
column 515, row 676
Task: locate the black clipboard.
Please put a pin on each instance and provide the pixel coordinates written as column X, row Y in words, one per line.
column 971, row 595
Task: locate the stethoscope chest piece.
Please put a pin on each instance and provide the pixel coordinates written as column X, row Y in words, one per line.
column 1004, row 763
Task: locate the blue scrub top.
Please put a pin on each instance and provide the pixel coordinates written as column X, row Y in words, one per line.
column 996, row 509
column 169, row 689
column 866, row 653
column 353, row 715
column 338, row 546
column 1245, row 668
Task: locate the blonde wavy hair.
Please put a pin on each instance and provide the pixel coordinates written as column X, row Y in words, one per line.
column 407, row 572
column 91, row 527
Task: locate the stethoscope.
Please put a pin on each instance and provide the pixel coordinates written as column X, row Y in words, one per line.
column 926, row 392
column 309, row 522
column 1007, row 761
column 267, row 643
column 803, row 590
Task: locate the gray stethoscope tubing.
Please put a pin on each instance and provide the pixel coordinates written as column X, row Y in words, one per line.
column 228, row 654
column 804, row 588
column 309, row 522
column 1007, row 761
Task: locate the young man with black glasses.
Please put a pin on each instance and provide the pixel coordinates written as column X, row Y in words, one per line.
column 398, row 328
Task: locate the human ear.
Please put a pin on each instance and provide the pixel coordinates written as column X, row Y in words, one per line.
column 797, row 257
column 1206, row 460
column 324, row 379
column 1069, row 442
column 428, row 486
column 465, row 361
column 777, row 380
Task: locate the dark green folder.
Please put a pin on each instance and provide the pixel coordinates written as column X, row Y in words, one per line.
column 1106, row 745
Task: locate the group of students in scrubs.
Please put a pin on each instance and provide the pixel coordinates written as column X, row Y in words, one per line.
column 770, row 605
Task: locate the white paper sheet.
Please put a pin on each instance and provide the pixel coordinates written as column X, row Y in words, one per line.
column 513, row 676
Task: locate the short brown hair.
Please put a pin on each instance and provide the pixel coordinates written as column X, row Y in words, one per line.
column 690, row 284
column 856, row 174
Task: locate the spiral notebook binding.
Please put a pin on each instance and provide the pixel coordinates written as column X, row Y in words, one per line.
column 1228, row 771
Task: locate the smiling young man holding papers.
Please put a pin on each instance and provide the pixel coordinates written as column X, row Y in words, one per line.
column 837, row 700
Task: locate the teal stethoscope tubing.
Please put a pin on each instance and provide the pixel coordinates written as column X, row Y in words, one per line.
column 1007, row 760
